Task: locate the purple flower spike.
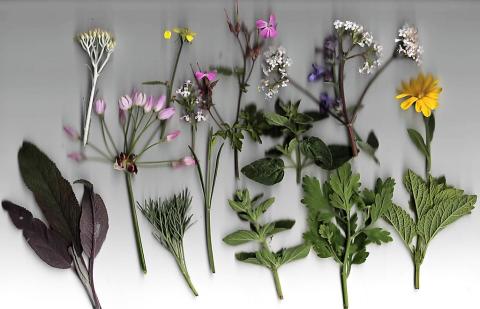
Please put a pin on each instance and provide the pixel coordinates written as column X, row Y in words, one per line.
column 100, row 106
column 166, row 113
column 316, row 74
column 326, row 102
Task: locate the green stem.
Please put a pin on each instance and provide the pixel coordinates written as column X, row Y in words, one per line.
column 211, row 261
column 428, row 158
column 278, row 285
column 417, row 276
column 183, row 269
column 109, row 135
column 192, row 134
column 170, row 87
column 138, row 239
column 344, row 276
column 298, row 164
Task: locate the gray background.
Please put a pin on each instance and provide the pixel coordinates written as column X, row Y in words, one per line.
column 43, row 79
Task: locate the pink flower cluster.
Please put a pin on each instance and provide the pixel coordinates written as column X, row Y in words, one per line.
column 140, row 99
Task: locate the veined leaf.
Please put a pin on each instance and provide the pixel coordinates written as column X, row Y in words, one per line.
column 240, row 237
column 360, row 256
column 315, row 149
column 53, row 194
column 383, row 198
column 418, row 189
column 267, row 258
column 46, row 243
column 444, row 213
column 377, row 235
column 345, row 187
column 275, row 119
column 281, row 225
column 294, row 253
column 267, row 171
column 263, row 207
column 93, row 221
column 402, row 222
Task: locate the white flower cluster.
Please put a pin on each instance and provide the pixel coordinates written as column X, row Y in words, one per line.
column 185, row 90
column 199, row 117
column 191, row 103
column 408, row 43
column 363, row 39
column 97, row 43
column 274, row 71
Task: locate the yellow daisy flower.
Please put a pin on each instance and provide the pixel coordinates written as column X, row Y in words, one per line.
column 185, row 33
column 423, row 91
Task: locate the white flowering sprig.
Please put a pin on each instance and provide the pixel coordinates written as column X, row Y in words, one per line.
column 408, row 43
column 274, row 68
column 371, row 51
column 99, row 45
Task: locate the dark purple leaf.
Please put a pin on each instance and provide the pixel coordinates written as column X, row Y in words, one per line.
column 93, row 221
column 46, row 243
column 21, row 217
column 54, row 194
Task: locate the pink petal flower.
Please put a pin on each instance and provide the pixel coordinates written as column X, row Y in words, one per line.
column 272, row 21
column 76, row 156
column 188, row 161
column 160, row 103
column 199, row 75
column 71, row 133
column 173, row 135
column 149, row 104
column 166, row 113
column 100, row 106
column 125, row 103
column 139, row 98
column 261, row 24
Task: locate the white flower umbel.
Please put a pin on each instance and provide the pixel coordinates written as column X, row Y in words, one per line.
column 99, row 45
column 408, row 43
column 274, row 71
column 364, row 40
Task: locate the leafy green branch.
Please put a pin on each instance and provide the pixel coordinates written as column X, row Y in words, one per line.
column 251, row 210
column 341, row 218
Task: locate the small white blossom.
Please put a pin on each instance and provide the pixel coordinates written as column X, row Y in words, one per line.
column 363, row 39
column 274, row 71
column 408, row 43
column 199, row 116
column 186, row 118
column 185, row 90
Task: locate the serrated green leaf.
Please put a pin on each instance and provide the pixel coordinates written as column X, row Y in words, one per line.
column 402, row 222
column 345, row 186
column 445, row 212
column 267, row 171
column 377, row 235
column 247, row 257
column 383, row 199
column 360, row 257
column 418, row 189
column 240, row 237
column 417, row 139
column 294, row 253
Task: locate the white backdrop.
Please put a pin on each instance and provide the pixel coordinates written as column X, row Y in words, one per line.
column 43, row 79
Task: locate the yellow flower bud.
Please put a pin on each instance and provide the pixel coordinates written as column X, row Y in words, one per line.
column 167, row 34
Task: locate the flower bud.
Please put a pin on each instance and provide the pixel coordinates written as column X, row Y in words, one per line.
column 122, row 117
column 71, row 132
column 139, row 98
column 166, row 113
column 125, row 103
column 149, row 104
column 100, row 106
column 173, row 135
column 160, row 103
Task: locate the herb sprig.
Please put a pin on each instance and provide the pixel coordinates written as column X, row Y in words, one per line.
column 341, row 218
column 251, row 210
column 171, row 219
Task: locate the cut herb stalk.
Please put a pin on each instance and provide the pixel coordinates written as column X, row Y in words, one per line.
column 341, row 218
column 251, row 210
column 434, row 202
column 170, row 219
column 208, row 186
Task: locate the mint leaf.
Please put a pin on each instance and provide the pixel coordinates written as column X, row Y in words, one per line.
column 294, row 253
column 240, row 237
column 267, row 171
